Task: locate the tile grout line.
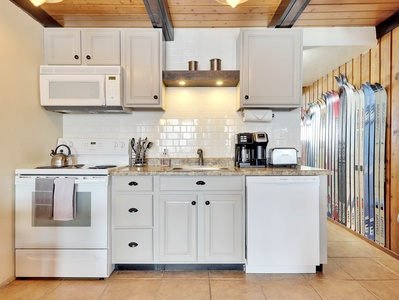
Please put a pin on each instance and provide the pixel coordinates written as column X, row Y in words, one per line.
column 384, row 266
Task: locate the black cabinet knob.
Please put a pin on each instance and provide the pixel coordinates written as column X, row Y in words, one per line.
column 132, row 244
column 133, row 183
column 76, row 56
column 200, row 182
column 246, row 97
column 133, row 210
column 207, row 202
column 88, row 57
column 193, row 203
column 155, row 97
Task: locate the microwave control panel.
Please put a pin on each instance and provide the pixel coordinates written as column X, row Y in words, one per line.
column 113, row 92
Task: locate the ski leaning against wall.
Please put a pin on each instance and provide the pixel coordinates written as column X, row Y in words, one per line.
column 345, row 132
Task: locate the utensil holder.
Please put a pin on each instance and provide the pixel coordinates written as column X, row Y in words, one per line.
column 138, row 160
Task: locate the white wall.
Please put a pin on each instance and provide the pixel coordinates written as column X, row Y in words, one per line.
column 195, row 117
column 27, row 132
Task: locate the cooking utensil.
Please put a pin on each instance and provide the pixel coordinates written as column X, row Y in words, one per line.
column 132, row 142
column 59, row 159
column 144, row 145
column 138, row 149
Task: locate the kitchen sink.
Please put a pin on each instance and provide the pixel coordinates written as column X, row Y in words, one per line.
column 200, row 168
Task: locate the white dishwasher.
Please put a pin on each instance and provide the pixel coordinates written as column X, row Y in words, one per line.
column 282, row 224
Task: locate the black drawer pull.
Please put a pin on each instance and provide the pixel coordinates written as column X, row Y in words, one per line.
column 133, row 244
column 133, row 183
column 246, row 97
column 200, row 182
column 133, row 210
column 207, row 202
column 76, row 56
column 88, row 57
column 193, row 203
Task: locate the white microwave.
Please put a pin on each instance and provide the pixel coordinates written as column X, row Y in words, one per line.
column 82, row 89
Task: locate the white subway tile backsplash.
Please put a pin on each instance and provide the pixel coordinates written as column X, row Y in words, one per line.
column 200, row 125
column 202, row 44
column 195, row 117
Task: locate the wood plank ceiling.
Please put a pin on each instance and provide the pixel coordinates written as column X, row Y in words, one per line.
column 209, row 13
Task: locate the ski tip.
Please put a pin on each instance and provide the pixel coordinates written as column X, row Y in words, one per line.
column 343, row 78
column 339, row 81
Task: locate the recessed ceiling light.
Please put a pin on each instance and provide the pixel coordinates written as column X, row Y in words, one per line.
column 232, row 3
column 219, row 82
column 182, row 82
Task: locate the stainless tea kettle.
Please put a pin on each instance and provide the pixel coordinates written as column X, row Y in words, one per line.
column 60, row 160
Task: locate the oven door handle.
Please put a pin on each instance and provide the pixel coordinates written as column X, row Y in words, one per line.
column 100, row 180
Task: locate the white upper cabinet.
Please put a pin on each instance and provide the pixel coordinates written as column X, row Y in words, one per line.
column 270, row 62
column 82, row 46
column 142, row 60
column 101, row 47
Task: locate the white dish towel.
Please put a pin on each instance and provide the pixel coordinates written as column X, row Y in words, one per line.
column 64, row 199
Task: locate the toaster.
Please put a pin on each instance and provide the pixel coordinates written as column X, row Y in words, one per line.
column 283, row 157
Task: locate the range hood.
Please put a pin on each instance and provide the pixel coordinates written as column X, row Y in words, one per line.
column 89, row 109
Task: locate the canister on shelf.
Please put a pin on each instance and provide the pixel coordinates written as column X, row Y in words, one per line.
column 216, row 64
column 193, row 65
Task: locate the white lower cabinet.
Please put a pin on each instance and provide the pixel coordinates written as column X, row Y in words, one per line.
column 223, row 228
column 178, row 219
column 132, row 219
column 133, row 245
column 178, row 228
column 201, row 219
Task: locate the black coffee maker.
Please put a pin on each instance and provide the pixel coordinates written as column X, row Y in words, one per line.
column 250, row 150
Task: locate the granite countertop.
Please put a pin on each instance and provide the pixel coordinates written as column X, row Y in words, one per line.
column 152, row 170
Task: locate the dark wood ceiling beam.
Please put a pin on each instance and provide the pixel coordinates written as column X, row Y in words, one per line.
column 388, row 25
column 36, row 13
column 287, row 13
column 158, row 11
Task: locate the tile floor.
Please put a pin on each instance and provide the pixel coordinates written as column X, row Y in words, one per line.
column 355, row 270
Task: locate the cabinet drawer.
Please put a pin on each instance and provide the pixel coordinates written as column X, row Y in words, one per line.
column 132, row 183
column 132, row 210
column 204, row 183
column 132, row 245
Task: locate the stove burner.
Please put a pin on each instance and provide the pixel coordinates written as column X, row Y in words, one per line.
column 78, row 166
column 52, row 167
column 103, row 167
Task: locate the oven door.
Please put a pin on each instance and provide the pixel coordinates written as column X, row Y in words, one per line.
column 87, row 230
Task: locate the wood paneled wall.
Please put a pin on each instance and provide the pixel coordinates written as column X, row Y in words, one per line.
column 379, row 64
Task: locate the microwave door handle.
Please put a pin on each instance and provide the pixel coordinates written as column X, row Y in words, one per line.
column 105, row 90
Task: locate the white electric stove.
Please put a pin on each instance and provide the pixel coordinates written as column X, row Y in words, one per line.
column 45, row 247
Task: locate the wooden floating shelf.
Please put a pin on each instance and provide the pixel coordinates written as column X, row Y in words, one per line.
column 201, row 78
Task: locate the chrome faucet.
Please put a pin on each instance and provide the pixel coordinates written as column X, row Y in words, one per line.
column 200, row 157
